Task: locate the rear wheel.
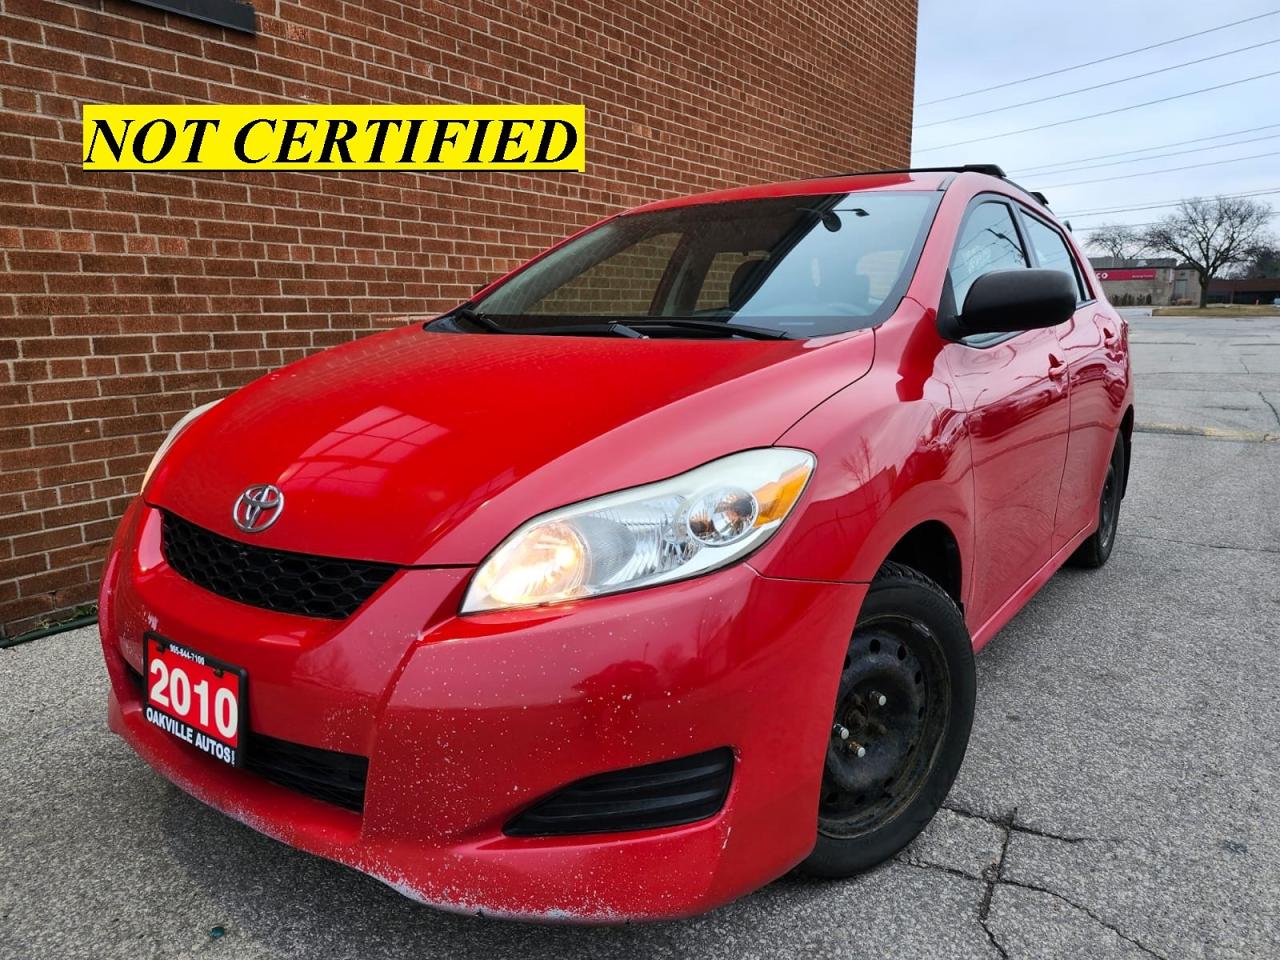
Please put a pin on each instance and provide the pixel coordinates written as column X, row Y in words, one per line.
column 1095, row 551
column 904, row 709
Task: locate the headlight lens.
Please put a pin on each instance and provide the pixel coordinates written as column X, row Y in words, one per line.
column 173, row 435
column 670, row 530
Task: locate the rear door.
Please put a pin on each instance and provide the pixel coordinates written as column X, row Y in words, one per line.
column 1089, row 341
column 1015, row 391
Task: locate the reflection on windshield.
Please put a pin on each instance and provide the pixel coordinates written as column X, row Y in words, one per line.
column 804, row 266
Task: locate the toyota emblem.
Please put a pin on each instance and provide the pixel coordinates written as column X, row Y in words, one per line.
column 258, row 507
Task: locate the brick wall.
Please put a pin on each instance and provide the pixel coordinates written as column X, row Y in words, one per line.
column 127, row 299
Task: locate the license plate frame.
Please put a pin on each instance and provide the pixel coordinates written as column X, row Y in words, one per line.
column 204, row 736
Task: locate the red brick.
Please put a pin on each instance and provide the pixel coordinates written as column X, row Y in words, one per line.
column 126, row 298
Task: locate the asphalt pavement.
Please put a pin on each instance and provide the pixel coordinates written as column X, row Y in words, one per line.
column 1121, row 796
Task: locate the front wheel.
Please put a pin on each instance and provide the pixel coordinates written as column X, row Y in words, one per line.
column 903, row 713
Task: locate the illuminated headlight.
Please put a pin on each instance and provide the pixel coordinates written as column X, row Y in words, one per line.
column 173, row 435
column 670, row 530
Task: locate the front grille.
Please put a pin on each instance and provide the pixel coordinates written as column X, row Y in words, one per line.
column 272, row 579
column 337, row 778
column 663, row 794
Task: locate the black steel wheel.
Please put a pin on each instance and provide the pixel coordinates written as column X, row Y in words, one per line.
column 891, row 709
column 903, row 711
column 1095, row 551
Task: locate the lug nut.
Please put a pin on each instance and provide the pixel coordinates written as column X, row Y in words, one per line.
column 857, row 749
column 876, row 698
column 841, row 731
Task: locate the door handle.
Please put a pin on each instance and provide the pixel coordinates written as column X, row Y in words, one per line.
column 1057, row 367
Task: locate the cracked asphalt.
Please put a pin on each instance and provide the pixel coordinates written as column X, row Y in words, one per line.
column 1121, row 796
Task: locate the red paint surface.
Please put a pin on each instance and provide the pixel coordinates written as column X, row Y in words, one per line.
column 427, row 450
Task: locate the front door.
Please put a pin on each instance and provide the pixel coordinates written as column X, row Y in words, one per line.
column 1015, row 391
column 1091, row 341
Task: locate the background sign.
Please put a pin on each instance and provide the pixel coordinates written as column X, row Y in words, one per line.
column 1147, row 273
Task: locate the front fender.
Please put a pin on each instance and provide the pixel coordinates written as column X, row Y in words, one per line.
column 892, row 453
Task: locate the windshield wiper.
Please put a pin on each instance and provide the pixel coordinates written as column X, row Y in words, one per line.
column 633, row 328
column 610, row 327
column 712, row 326
column 472, row 315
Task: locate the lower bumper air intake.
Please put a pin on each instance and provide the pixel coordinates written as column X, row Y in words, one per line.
column 666, row 794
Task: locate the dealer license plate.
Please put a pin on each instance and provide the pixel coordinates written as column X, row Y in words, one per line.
column 195, row 698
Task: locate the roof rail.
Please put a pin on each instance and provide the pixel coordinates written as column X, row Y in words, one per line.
column 990, row 169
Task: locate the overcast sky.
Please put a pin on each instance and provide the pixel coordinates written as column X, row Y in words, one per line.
column 967, row 46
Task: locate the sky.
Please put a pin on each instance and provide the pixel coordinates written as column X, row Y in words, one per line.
column 972, row 45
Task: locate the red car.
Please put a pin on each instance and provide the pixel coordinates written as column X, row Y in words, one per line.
column 650, row 573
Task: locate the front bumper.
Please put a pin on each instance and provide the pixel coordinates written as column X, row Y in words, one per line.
column 468, row 720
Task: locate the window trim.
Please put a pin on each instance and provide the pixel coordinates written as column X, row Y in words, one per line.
column 231, row 14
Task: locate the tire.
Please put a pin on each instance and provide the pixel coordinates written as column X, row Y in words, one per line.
column 1095, row 551
column 910, row 647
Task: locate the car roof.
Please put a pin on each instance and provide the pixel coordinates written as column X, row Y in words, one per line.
column 840, row 183
column 921, row 180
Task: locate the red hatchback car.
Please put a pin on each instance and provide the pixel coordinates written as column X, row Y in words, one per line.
column 650, row 573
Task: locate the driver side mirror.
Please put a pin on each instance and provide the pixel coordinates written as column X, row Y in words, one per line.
column 1009, row 301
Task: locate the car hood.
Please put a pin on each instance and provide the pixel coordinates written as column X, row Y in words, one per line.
column 423, row 448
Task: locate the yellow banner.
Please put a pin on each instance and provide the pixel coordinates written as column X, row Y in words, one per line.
column 316, row 137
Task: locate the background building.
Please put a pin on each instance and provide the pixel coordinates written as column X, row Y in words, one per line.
column 1265, row 290
column 1154, row 281
column 126, row 299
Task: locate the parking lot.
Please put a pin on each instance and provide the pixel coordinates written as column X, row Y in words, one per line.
column 1121, row 797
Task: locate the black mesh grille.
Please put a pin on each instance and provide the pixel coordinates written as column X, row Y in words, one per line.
column 663, row 794
column 327, row 775
column 273, row 579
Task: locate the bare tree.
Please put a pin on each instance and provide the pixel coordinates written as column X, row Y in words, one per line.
column 1118, row 241
column 1263, row 262
column 1212, row 235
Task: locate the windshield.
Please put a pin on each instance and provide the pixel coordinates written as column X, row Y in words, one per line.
column 796, row 266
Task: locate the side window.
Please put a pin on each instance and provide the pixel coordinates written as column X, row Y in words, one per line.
column 988, row 241
column 1052, row 251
